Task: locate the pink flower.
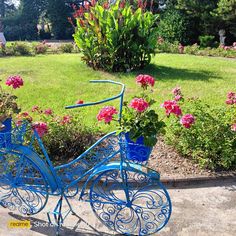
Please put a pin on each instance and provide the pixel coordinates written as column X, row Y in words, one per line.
column 41, row 128
column 172, row 107
column 187, row 120
column 181, row 49
column 65, row 120
column 178, row 98
column 160, row 40
column 106, row 114
column 234, row 44
column 145, row 80
column 176, row 91
column 231, row 95
column 80, row 102
column 231, row 98
column 15, row 81
column 229, row 101
column 139, row 104
column 48, row 112
column 35, row 108
column 233, row 127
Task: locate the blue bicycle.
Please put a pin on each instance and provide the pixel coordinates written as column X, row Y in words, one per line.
column 126, row 196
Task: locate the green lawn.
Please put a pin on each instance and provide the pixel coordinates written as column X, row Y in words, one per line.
column 59, row 80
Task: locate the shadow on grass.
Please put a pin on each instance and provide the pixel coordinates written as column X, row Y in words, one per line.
column 170, row 73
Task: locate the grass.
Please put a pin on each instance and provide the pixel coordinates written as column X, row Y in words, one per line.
column 58, row 80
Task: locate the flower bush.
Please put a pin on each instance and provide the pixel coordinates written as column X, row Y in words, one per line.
column 139, row 119
column 115, row 37
column 8, row 104
column 210, row 137
column 195, row 49
column 63, row 136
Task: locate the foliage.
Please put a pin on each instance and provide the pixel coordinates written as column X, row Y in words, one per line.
column 41, row 48
column 145, row 123
column 67, row 48
column 8, row 104
column 173, row 26
column 207, row 41
column 21, row 49
column 116, row 38
column 64, row 137
column 210, row 141
column 195, row 49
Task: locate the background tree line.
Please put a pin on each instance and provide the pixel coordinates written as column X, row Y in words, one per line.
column 180, row 20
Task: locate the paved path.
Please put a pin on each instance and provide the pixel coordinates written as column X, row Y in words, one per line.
column 203, row 211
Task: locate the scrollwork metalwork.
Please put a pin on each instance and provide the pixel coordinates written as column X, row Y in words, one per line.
column 22, row 185
column 146, row 210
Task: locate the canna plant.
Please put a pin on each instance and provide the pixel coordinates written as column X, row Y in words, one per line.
column 115, row 37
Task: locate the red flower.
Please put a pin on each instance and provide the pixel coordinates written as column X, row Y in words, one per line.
column 93, row 3
column 187, row 120
column 231, row 98
column 106, row 114
column 15, row 81
column 233, row 127
column 172, row 107
column 81, row 22
column 145, row 80
column 106, row 5
column 35, row 108
column 86, row 5
column 80, row 102
column 66, row 119
column 176, row 91
column 48, row 112
column 122, row 4
column 139, row 104
column 41, row 128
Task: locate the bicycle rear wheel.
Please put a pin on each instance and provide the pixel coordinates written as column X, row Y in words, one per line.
column 148, row 210
column 23, row 186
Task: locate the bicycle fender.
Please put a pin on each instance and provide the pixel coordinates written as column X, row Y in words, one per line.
column 35, row 158
column 116, row 166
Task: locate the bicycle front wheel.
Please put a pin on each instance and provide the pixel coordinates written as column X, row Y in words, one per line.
column 146, row 210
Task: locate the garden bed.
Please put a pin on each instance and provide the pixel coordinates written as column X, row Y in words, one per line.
column 166, row 160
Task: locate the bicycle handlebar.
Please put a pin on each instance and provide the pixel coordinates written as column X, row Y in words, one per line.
column 102, row 101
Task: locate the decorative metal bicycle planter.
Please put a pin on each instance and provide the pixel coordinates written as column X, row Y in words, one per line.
column 125, row 195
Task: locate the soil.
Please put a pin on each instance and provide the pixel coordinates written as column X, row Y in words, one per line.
column 166, row 160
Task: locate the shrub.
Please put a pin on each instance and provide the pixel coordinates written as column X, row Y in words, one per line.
column 21, row 49
column 165, row 46
column 116, row 37
column 67, row 48
column 211, row 141
column 172, row 26
column 207, row 41
column 64, row 137
column 41, row 48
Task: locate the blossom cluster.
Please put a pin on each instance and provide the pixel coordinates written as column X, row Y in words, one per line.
column 172, row 107
column 139, row 104
column 145, row 81
column 106, row 114
column 15, row 81
column 231, row 98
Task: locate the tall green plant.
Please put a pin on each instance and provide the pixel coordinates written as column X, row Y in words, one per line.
column 116, row 37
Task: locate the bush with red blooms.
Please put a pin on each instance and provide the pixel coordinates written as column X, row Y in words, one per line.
column 205, row 134
column 138, row 117
column 63, row 136
column 115, row 37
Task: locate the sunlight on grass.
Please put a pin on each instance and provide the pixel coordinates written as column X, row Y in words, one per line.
column 58, row 80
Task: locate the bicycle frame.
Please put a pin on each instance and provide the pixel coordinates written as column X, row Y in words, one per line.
column 90, row 172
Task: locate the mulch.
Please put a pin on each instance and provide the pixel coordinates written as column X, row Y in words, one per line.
column 166, row 160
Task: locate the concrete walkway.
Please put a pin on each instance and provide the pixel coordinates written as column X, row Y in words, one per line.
column 199, row 211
